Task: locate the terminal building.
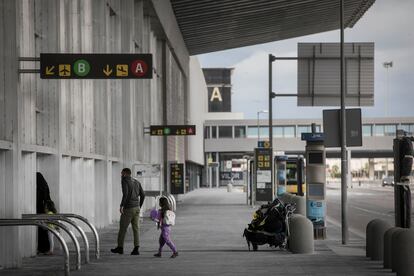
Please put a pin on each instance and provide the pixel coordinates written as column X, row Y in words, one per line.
column 229, row 142
column 80, row 133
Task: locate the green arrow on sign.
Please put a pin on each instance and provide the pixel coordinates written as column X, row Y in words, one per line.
column 167, row 131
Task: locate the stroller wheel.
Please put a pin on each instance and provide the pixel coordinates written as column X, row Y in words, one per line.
column 255, row 247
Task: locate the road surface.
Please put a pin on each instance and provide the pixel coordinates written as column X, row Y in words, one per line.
column 364, row 205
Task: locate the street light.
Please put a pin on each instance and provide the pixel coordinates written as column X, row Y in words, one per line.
column 387, row 65
column 258, row 126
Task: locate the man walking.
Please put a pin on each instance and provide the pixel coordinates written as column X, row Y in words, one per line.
column 132, row 199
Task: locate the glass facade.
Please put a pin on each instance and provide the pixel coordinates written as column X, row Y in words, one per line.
column 289, row 131
column 264, row 132
column 390, row 130
column 407, row 127
column 284, row 132
column 251, row 132
column 225, row 132
column 366, row 130
column 385, row 130
column 214, row 132
column 292, row 131
column 207, row 132
column 278, row 132
column 239, row 132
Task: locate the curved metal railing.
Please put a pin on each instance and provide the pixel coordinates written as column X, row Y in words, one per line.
column 95, row 233
column 67, row 220
column 42, row 224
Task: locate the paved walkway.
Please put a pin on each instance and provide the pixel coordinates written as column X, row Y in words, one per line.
column 208, row 235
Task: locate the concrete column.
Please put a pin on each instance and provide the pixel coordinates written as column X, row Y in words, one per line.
column 210, row 178
column 371, row 168
column 9, row 238
column 386, row 167
column 218, row 171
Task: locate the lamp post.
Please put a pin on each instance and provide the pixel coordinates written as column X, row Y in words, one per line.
column 258, row 125
column 387, row 65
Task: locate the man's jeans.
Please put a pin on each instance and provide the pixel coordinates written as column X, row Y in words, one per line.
column 130, row 215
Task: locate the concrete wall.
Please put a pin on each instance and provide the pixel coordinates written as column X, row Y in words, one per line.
column 197, row 99
column 81, row 133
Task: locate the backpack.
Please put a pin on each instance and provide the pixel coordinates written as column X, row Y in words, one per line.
column 169, row 217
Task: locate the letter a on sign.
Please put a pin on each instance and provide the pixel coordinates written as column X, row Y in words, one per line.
column 216, row 95
column 139, row 68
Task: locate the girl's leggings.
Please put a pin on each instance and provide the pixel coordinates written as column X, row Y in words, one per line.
column 165, row 239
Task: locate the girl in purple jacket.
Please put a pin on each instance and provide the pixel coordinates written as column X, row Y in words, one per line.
column 165, row 229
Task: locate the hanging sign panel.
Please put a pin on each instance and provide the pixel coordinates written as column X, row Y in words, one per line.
column 172, row 130
column 177, row 178
column 96, row 66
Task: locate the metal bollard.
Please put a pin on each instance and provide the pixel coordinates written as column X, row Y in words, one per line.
column 282, row 197
column 229, row 188
column 378, row 231
column 301, row 235
column 286, row 197
column 402, row 246
column 388, row 245
column 370, row 237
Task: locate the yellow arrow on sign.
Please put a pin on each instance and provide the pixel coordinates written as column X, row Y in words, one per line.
column 49, row 70
column 107, row 70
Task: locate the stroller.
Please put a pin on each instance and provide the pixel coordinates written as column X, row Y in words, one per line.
column 270, row 225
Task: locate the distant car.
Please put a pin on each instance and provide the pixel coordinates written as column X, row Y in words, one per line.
column 388, row 181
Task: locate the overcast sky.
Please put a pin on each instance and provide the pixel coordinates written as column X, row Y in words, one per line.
column 390, row 24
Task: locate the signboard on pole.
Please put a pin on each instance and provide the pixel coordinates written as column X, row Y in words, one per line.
column 263, row 164
column 96, row 66
column 177, row 178
column 331, row 127
column 319, row 78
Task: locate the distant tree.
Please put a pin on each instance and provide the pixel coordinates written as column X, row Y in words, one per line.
column 335, row 173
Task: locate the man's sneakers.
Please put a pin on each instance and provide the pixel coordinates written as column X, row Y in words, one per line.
column 118, row 250
column 157, row 255
column 135, row 251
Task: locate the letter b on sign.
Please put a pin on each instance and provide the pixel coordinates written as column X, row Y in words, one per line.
column 81, row 67
column 139, row 68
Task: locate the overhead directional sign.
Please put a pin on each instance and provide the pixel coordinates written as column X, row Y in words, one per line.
column 173, row 130
column 96, row 66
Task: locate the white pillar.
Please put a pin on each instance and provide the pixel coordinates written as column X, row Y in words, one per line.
column 217, row 171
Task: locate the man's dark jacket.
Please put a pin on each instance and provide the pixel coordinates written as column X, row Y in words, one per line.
column 132, row 193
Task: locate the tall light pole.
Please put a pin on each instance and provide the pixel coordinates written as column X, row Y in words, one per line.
column 258, row 125
column 387, row 65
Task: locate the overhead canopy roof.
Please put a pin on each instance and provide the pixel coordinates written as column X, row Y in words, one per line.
column 214, row 25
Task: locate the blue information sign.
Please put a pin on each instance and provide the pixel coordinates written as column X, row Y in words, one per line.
column 313, row 137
